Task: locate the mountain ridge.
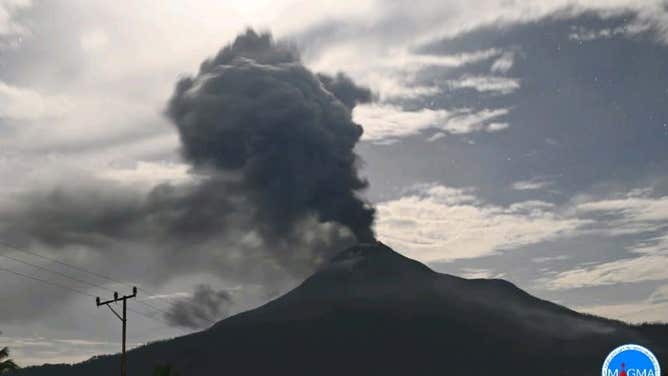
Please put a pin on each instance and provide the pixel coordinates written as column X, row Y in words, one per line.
column 377, row 311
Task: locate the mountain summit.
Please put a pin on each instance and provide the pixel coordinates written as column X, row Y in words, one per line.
column 372, row 311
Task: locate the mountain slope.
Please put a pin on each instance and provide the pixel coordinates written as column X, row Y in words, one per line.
column 373, row 311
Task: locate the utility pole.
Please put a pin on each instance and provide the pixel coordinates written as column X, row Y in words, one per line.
column 124, row 320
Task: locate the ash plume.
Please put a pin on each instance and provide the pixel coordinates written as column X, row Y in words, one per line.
column 254, row 109
column 205, row 307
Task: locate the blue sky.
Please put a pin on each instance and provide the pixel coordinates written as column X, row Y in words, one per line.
column 525, row 140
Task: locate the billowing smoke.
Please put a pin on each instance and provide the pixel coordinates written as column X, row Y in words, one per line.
column 274, row 188
column 255, row 110
column 205, row 307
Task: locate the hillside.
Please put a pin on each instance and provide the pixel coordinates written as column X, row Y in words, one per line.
column 372, row 311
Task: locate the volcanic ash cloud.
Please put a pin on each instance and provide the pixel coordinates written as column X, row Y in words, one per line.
column 288, row 134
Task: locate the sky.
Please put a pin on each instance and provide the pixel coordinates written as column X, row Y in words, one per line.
column 524, row 140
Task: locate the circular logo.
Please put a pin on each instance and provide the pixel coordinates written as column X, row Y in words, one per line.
column 631, row 360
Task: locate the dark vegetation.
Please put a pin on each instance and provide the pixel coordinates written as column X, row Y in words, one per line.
column 6, row 364
column 164, row 370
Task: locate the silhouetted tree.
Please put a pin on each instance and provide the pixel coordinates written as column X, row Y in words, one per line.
column 164, row 371
column 6, row 364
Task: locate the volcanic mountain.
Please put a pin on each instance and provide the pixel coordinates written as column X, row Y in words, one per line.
column 372, row 311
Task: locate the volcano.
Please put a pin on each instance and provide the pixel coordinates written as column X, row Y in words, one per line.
column 372, row 311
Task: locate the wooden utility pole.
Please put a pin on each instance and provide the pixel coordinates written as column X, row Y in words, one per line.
column 124, row 320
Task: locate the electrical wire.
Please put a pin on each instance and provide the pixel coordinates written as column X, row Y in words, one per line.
column 47, row 282
column 154, row 308
column 58, row 273
column 74, row 267
column 64, row 287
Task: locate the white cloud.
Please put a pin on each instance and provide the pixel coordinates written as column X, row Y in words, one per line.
column 389, row 86
column 660, row 295
column 637, row 313
column 382, row 122
column 504, row 63
column 412, row 62
column 9, row 26
column 532, row 184
column 540, row 260
column 636, row 269
column 148, row 174
column 502, row 12
column 653, row 246
column 387, row 121
column 25, row 104
column 467, row 121
column 94, row 40
column 634, row 207
column 496, row 127
column 176, row 295
column 439, row 223
column 391, row 74
column 500, row 85
column 389, row 56
column 629, row 30
column 436, row 136
column 475, row 273
column 652, row 309
column 634, row 213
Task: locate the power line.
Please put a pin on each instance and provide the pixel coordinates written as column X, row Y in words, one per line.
column 7, row 245
column 48, row 282
column 78, row 280
column 58, row 273
column 84, row 270
column 75, row 268
column 64, row 287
